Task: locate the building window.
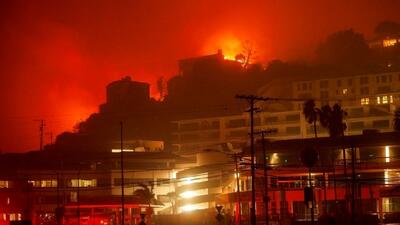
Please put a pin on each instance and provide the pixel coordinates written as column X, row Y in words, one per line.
column 83, row 183
column 43, row 183
column 350, row 82
column 3, row 183
column 344, row 91
column 339, row 83
column 189, row 126
column 357, row 125
column 364, row 101
column 271, row 119
column 304, row 86
column 385, row 99
column 189, row 137
column 324, row 84
column 73, row 196
column 292, row 130
column 389, row 42
column 236, row 123
column 238, row 133
column 391, row 99
column 363, row 80
column 364, row 90
column 380, row 124
column 298, row 87
column 384, row 89
column 293, row 117
column 324, row 94
column 383, row 79
column 378, row 100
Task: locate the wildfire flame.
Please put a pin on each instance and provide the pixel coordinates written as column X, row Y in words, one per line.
column 230, row 45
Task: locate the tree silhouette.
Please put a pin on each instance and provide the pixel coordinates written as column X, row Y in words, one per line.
column 146, row 194
column 387, row 28
column 161, row 87
column 311, row 114
column 345, row 49
column 332, row 119
column 247, row 54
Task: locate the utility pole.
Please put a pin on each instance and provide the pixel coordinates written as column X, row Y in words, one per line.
column 41, row 129
column 238, row 212
column 28, row 200
column 252, row 100
column 353, row 185
column 41, row 133
column 122, row 177
column 266, row 198
column 78, row 195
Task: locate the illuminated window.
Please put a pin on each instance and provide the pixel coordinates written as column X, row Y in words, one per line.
column 378, row 100
column 386, row 176
column 385, row 99
column 192, row 207
column 119, row 150
column 391, row 99
column 83, row 183
column 344, row 91
column 365, row 101
column 73, row 197
column 191, row 194
column 43, row 183
column 195, row 179
column 3, row 183
column 389, row 42
column 387, row 154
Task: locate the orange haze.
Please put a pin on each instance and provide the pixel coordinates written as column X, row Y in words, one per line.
column 57, row 56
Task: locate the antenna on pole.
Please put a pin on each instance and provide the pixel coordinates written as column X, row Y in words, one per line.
column 41, row 133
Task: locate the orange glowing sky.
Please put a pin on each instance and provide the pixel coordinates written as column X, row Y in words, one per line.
column 57, row 56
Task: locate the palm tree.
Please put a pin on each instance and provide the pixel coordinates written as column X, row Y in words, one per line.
column 311, row 113
column 396, row 120
column 332, row 119
column 146, row 195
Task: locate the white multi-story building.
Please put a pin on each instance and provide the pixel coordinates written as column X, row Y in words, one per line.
column 369, row 100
